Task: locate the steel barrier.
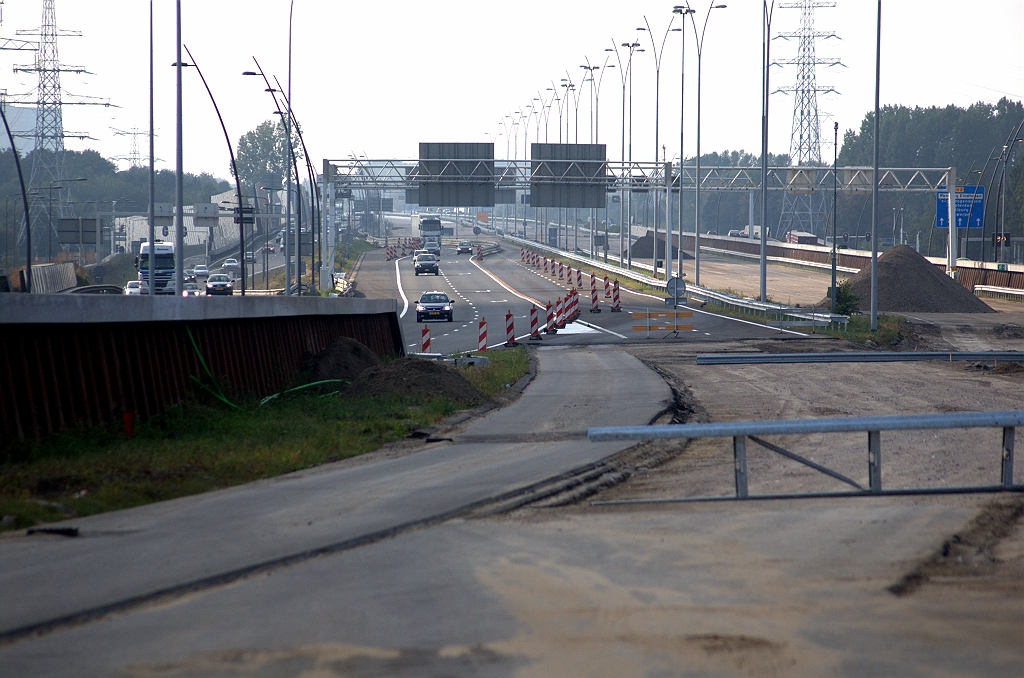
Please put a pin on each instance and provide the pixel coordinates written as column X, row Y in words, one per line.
column 873, row 426
column 854, row 357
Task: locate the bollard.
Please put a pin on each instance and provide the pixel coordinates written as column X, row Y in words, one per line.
column 561, row 270
column 559, row 314
column 545, row 265
column 510, row 329
column 615, row 298
column 482, row 342
column 569, row 278
column 522, row 254
column 534, row 330
column 607, row 288
column 594, row 308
column 550, row 327
column 479, row 253
column 579, row 277
column 425, row 339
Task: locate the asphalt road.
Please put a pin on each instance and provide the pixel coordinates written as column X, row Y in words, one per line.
column 199, row 544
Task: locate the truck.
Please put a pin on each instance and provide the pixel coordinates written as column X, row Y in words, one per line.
column 163, row 253
column 430, row 232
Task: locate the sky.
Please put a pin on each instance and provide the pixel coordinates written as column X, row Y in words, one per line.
column 375, row 78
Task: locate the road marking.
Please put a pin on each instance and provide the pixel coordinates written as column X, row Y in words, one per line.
column 405, row 300
column 510, row 290
column 603, row 329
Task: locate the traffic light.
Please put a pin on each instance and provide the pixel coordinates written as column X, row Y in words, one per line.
column 867, row 237
column 1000, row 239
column 846, row 238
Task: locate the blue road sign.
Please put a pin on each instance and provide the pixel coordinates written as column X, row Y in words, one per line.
column 970, row 207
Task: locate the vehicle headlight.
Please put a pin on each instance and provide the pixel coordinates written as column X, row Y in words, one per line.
column 448, row 307
column 420, row 307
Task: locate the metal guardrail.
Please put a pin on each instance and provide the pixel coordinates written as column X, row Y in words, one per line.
column 994, row 289
column 854, row 357
column 771, row 314
column 873, row 426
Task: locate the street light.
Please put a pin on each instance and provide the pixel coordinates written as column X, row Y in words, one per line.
column 696, row 224
column 658, row 53
column 626, row 211
column 679, row 9
column 767, row 11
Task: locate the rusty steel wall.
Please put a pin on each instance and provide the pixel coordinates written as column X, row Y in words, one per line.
column 55, row 376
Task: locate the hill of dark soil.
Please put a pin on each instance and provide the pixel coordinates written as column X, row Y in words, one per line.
column 643, row 247
column 909, row 283
column 416, row 375
column 344, row 359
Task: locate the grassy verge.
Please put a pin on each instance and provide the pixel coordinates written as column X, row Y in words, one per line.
column 891, row 330
column 195, row 448
column 506, row 366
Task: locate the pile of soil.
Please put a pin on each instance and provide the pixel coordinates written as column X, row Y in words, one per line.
column 643, row 247
column 344, row 359
column 907, row 282
column 416, row 376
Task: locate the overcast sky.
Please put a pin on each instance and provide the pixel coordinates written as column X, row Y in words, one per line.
column 377, row 78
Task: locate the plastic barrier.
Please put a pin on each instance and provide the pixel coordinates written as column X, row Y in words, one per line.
column 561, row 271
column 607, row 288
column 662, row 321
column 534, row 330
column 569, row 277
column 559, row 314
column 482, row 342
column 510, row 329
column 522, row 254
column 545, row 265
column 550, row 326
column 579, row 277
column 615, row 298
column 594, row 308
column 425, row 339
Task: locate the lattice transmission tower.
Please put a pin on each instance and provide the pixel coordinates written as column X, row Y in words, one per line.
column 48, row 162
column 134, row 158
column 805, row 210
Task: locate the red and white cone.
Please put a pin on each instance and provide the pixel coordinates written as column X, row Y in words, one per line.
column 559, row 314
column 561, row 271
column 534, row 329
column 607, row 288
column 615, row 298
column 510, row 329
column 594, row 308
column 425, row 339
column 482, row 342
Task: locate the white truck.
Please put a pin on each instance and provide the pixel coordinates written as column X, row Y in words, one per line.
column 163, row 265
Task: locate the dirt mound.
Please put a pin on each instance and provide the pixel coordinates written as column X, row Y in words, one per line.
column 344, row 359
column 416, row 376
column 907, row 282
column 643, row 247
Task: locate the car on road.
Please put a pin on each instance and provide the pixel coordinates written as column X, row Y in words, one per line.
column 219, row 283
column 250, row 257
column 190, row 289
column 417, row 253
column 426, row 263
column 465, row 247
column 230, row 263
column 201, row 271
column 136, row 287
column 434, row 306
column 270, row 247
column 735, row 233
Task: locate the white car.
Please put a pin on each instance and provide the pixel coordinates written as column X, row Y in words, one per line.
column 190, row 289
column 231, row 263
column 136, row 287
column 201, row 270
column 416, row 255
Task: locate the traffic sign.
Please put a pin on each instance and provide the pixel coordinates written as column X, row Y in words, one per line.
column 970, row 207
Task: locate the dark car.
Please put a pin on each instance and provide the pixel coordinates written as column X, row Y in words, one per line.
column 219, row 283
column 434, row 306
column 465, row 247
column 426, row 263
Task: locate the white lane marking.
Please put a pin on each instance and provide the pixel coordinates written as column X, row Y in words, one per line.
column 509, row 289
column 398, row 277
column 598, row 327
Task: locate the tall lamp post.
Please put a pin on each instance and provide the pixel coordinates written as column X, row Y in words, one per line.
column 835, row 204
column 624, row 75
column 696, row 180
column 679, row 9
column 767, row 11
column 234, row 169
column 658, row 53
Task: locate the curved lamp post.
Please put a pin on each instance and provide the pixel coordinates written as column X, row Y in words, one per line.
column 234, row 169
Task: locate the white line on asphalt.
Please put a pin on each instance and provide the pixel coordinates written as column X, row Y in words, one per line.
column 598, row 327
column 398, row 277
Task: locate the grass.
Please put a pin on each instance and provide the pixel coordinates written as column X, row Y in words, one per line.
column 891, row 330
column 506, row 366
column 196, row 448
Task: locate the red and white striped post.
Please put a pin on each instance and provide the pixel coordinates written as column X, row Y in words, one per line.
column 561, row 271
column 594, row 308
column 575, row 303
column 559, row 314
column 522, row 254
column 545, row 265
column 510, row 329
column 550, row 327
column 482, row 342
column 615, row 298
column 534, row 329
column 425, row 339
column 570, row 274
column 579, row 278
column 567, row 318
column 479, row 253
column 607, row 288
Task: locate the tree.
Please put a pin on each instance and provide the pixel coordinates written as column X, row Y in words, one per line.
column 262, row 151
